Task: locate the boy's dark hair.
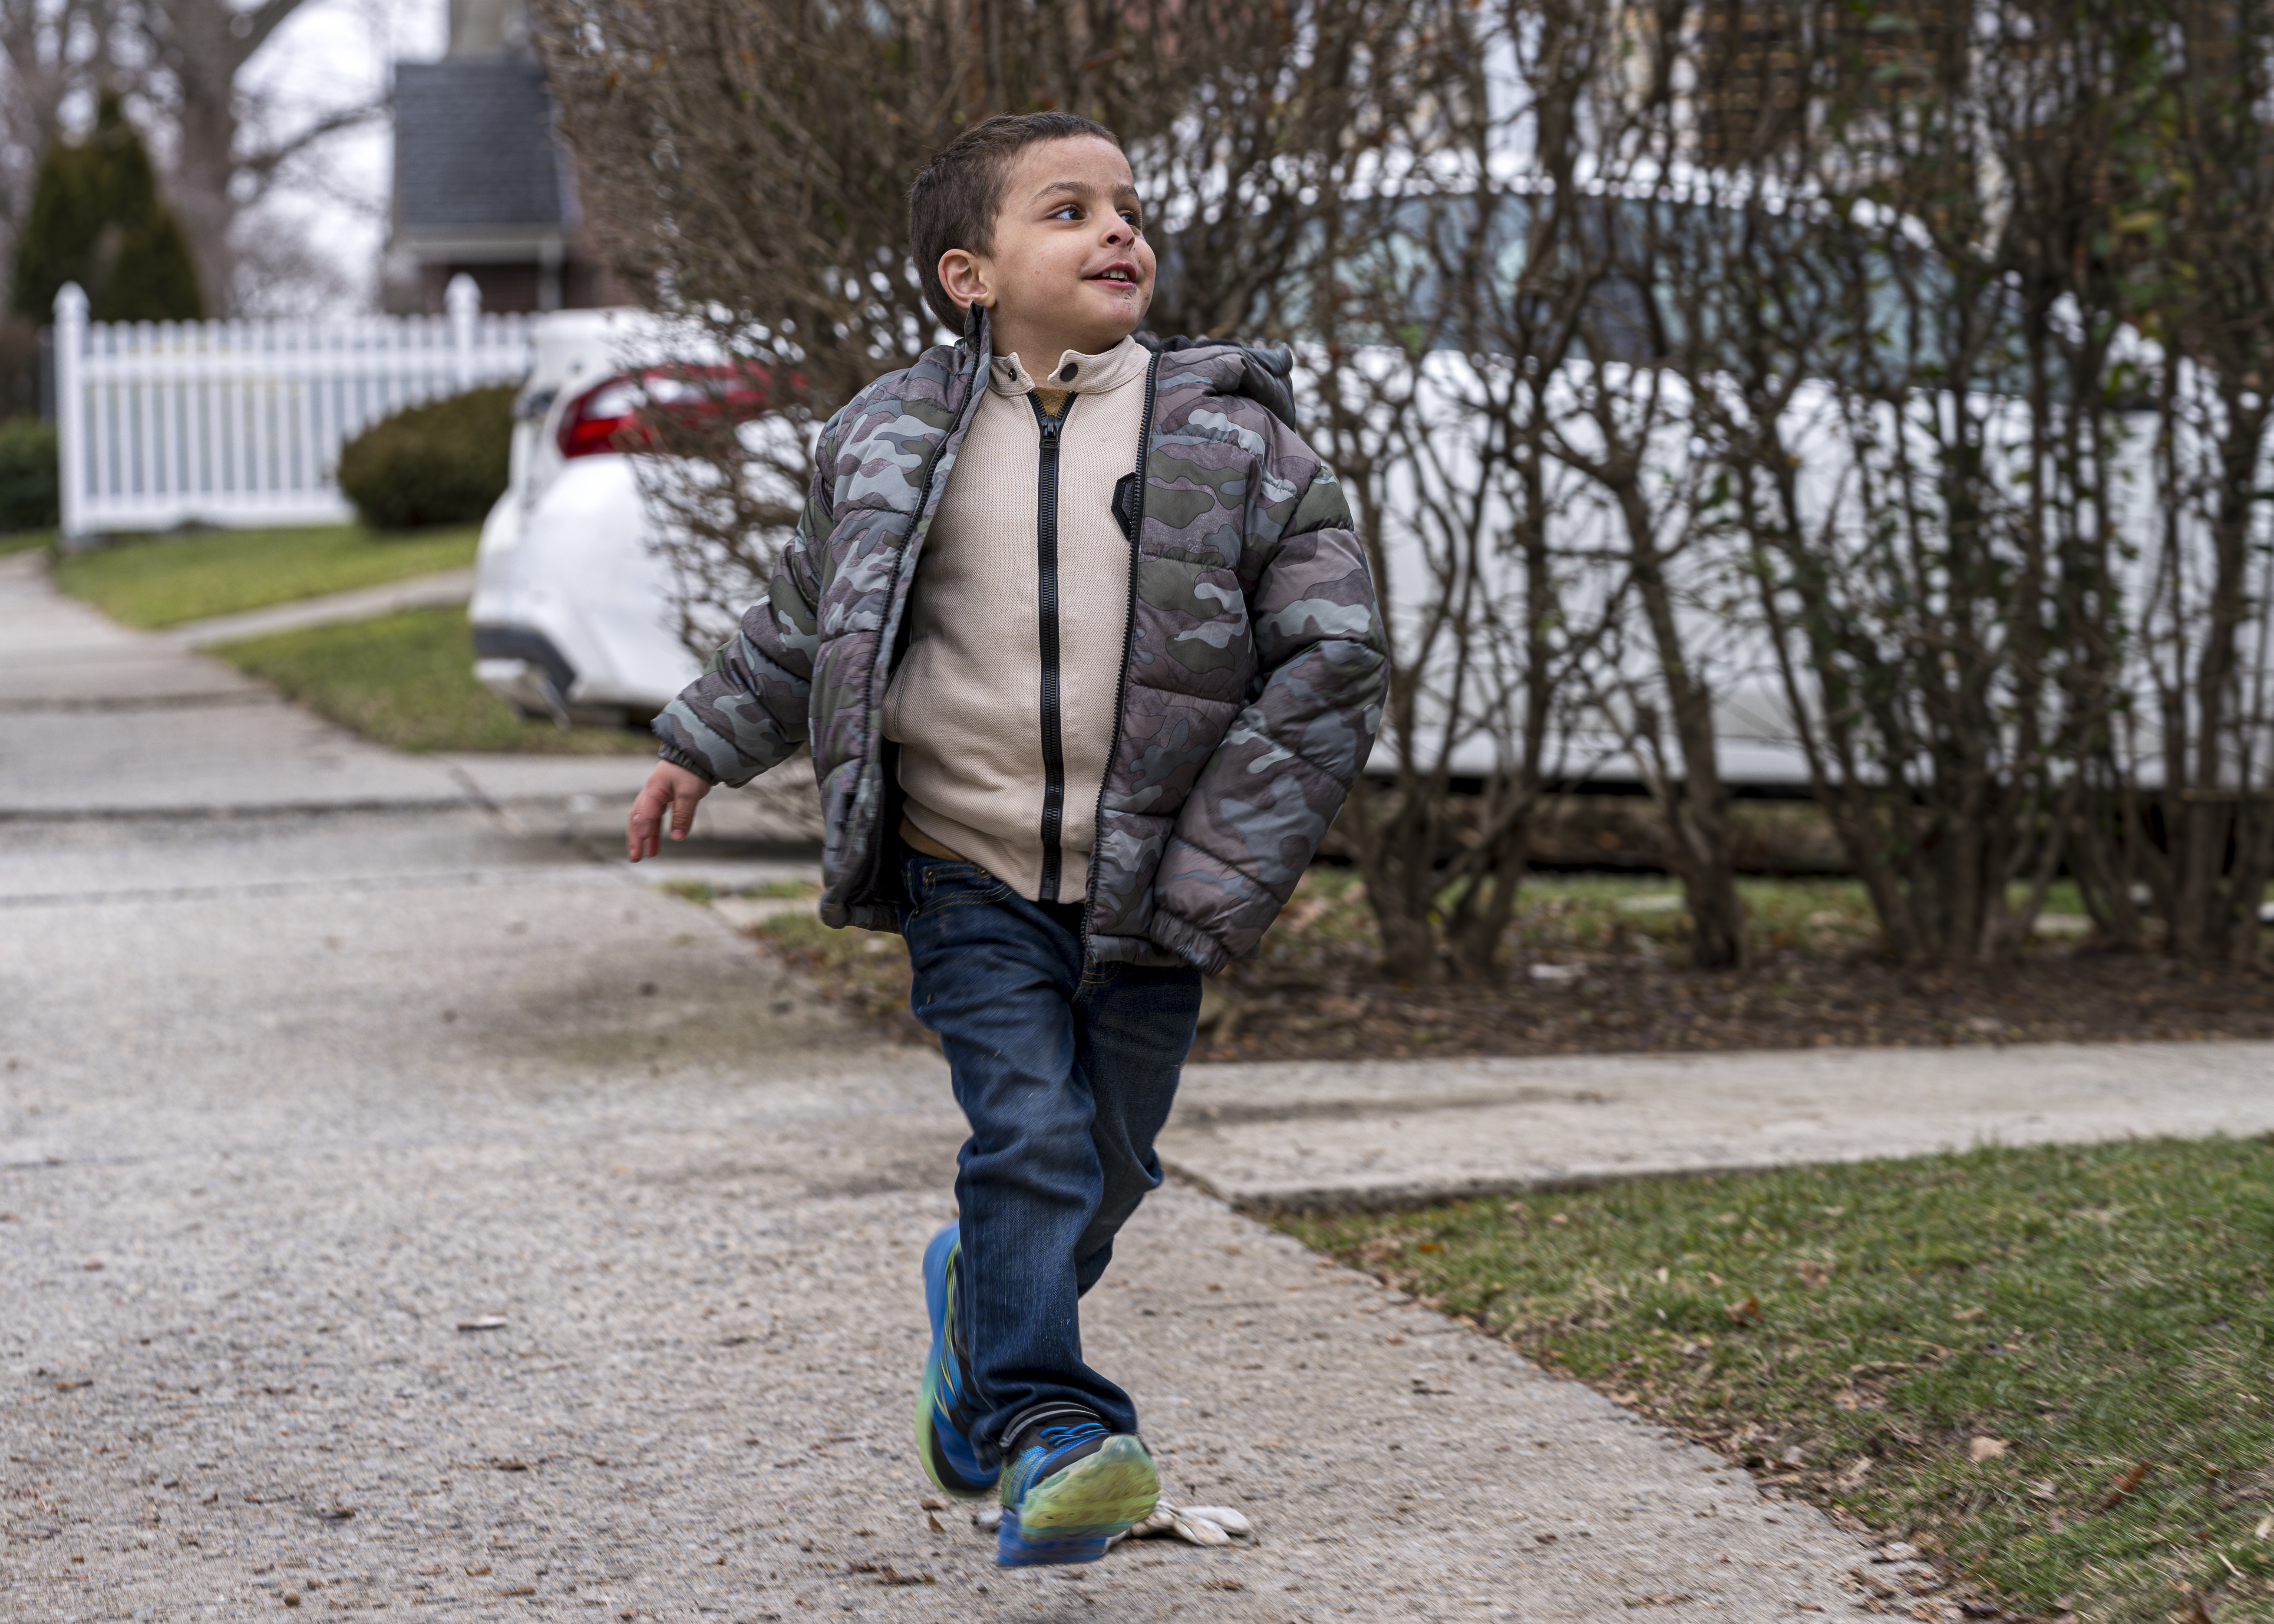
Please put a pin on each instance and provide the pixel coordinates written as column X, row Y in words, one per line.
column 954, row 201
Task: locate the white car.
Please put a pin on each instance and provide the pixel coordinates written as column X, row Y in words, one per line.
column 573, row 617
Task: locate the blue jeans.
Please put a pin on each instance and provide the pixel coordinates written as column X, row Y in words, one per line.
column 1066, row 1071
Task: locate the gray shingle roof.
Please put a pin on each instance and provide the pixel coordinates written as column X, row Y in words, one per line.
column 473, row 146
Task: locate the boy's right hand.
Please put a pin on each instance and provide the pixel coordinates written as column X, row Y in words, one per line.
column 671, row 790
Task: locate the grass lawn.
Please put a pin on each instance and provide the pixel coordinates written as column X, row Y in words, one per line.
column 407, row 680
column 24, row 541
column 2051, row 1369
column 165, row 580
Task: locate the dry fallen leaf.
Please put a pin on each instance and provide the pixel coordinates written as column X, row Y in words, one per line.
column 933, row 1523
column 2265, row 1527
column 1987, row 1449
column 2043, row 1488
column 1741, row 1312
column 1812, row 1274
column 2122, row 1489
column 1969, row 1313
column 1872, row 1582
column 932, row 1502
column 1854, row 1474
column 475, row 1573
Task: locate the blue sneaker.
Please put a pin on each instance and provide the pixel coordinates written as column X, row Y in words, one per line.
column 1069, row 1490
column 945, row 1409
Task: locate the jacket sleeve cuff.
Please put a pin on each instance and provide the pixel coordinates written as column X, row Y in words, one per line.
column 678, row 757
column 1188, row 942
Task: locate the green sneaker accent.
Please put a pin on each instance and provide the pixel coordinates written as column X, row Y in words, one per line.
column 1069, row 1515
column 944, row 1410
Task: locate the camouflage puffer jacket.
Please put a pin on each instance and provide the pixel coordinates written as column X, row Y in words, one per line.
column 1252, row 668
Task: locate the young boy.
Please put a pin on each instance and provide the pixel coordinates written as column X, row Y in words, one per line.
column 1088, row 658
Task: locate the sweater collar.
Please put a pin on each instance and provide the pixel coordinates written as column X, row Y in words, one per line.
column 1076, row 373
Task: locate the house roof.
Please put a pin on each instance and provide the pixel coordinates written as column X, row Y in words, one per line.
column 474, row 148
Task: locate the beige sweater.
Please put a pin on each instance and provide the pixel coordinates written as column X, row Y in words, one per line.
column 967, row 705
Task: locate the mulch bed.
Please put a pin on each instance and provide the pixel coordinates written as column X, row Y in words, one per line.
column 1344, row 1009
column 1790, row 1001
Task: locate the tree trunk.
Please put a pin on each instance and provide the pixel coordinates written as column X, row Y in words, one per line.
column 1697, row 813
column 1395, row 848
column 204, row 44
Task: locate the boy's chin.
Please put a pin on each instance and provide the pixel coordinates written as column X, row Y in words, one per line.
column 1113, row 318
column 1108, row 334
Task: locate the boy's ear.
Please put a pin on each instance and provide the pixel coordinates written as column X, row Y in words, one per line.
column 965, row 277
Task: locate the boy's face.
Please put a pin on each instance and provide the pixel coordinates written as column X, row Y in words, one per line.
column 1070, row 268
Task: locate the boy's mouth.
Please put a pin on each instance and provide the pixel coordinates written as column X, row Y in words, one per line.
column 1121, row 272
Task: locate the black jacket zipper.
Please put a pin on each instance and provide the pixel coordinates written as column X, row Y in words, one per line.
column 1129, row 508
column 1046, row 610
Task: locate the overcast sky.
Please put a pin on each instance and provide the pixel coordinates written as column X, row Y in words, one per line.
column 334, row 53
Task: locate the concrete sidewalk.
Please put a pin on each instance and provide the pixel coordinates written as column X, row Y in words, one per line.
column 1322, row 1135
column 442, row 589
column 264, row 1152
column 97, row 720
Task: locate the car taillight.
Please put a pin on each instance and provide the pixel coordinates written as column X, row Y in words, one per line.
column 616, row 415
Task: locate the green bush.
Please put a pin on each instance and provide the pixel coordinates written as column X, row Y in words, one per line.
column 29, row 481
column 444, row 462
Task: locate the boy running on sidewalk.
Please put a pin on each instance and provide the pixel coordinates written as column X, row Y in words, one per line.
column 1087, row 657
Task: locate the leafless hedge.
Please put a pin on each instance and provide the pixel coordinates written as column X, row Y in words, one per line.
column 1906, row 376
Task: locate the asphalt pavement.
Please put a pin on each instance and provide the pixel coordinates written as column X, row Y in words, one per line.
column 406, row 1207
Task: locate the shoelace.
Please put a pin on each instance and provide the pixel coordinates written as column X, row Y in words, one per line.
column 1053, row 1439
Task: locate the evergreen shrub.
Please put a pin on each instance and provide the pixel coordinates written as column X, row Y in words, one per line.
column 97, row 219
column 445, row 462
column 29, row 481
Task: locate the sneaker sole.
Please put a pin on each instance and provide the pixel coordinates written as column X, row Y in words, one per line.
column 1069, row 1515
column 930, row 1450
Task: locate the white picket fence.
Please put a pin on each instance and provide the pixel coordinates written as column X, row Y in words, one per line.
column 241, row 423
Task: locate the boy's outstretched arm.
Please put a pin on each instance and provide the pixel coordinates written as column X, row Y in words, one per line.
column 748, row 710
